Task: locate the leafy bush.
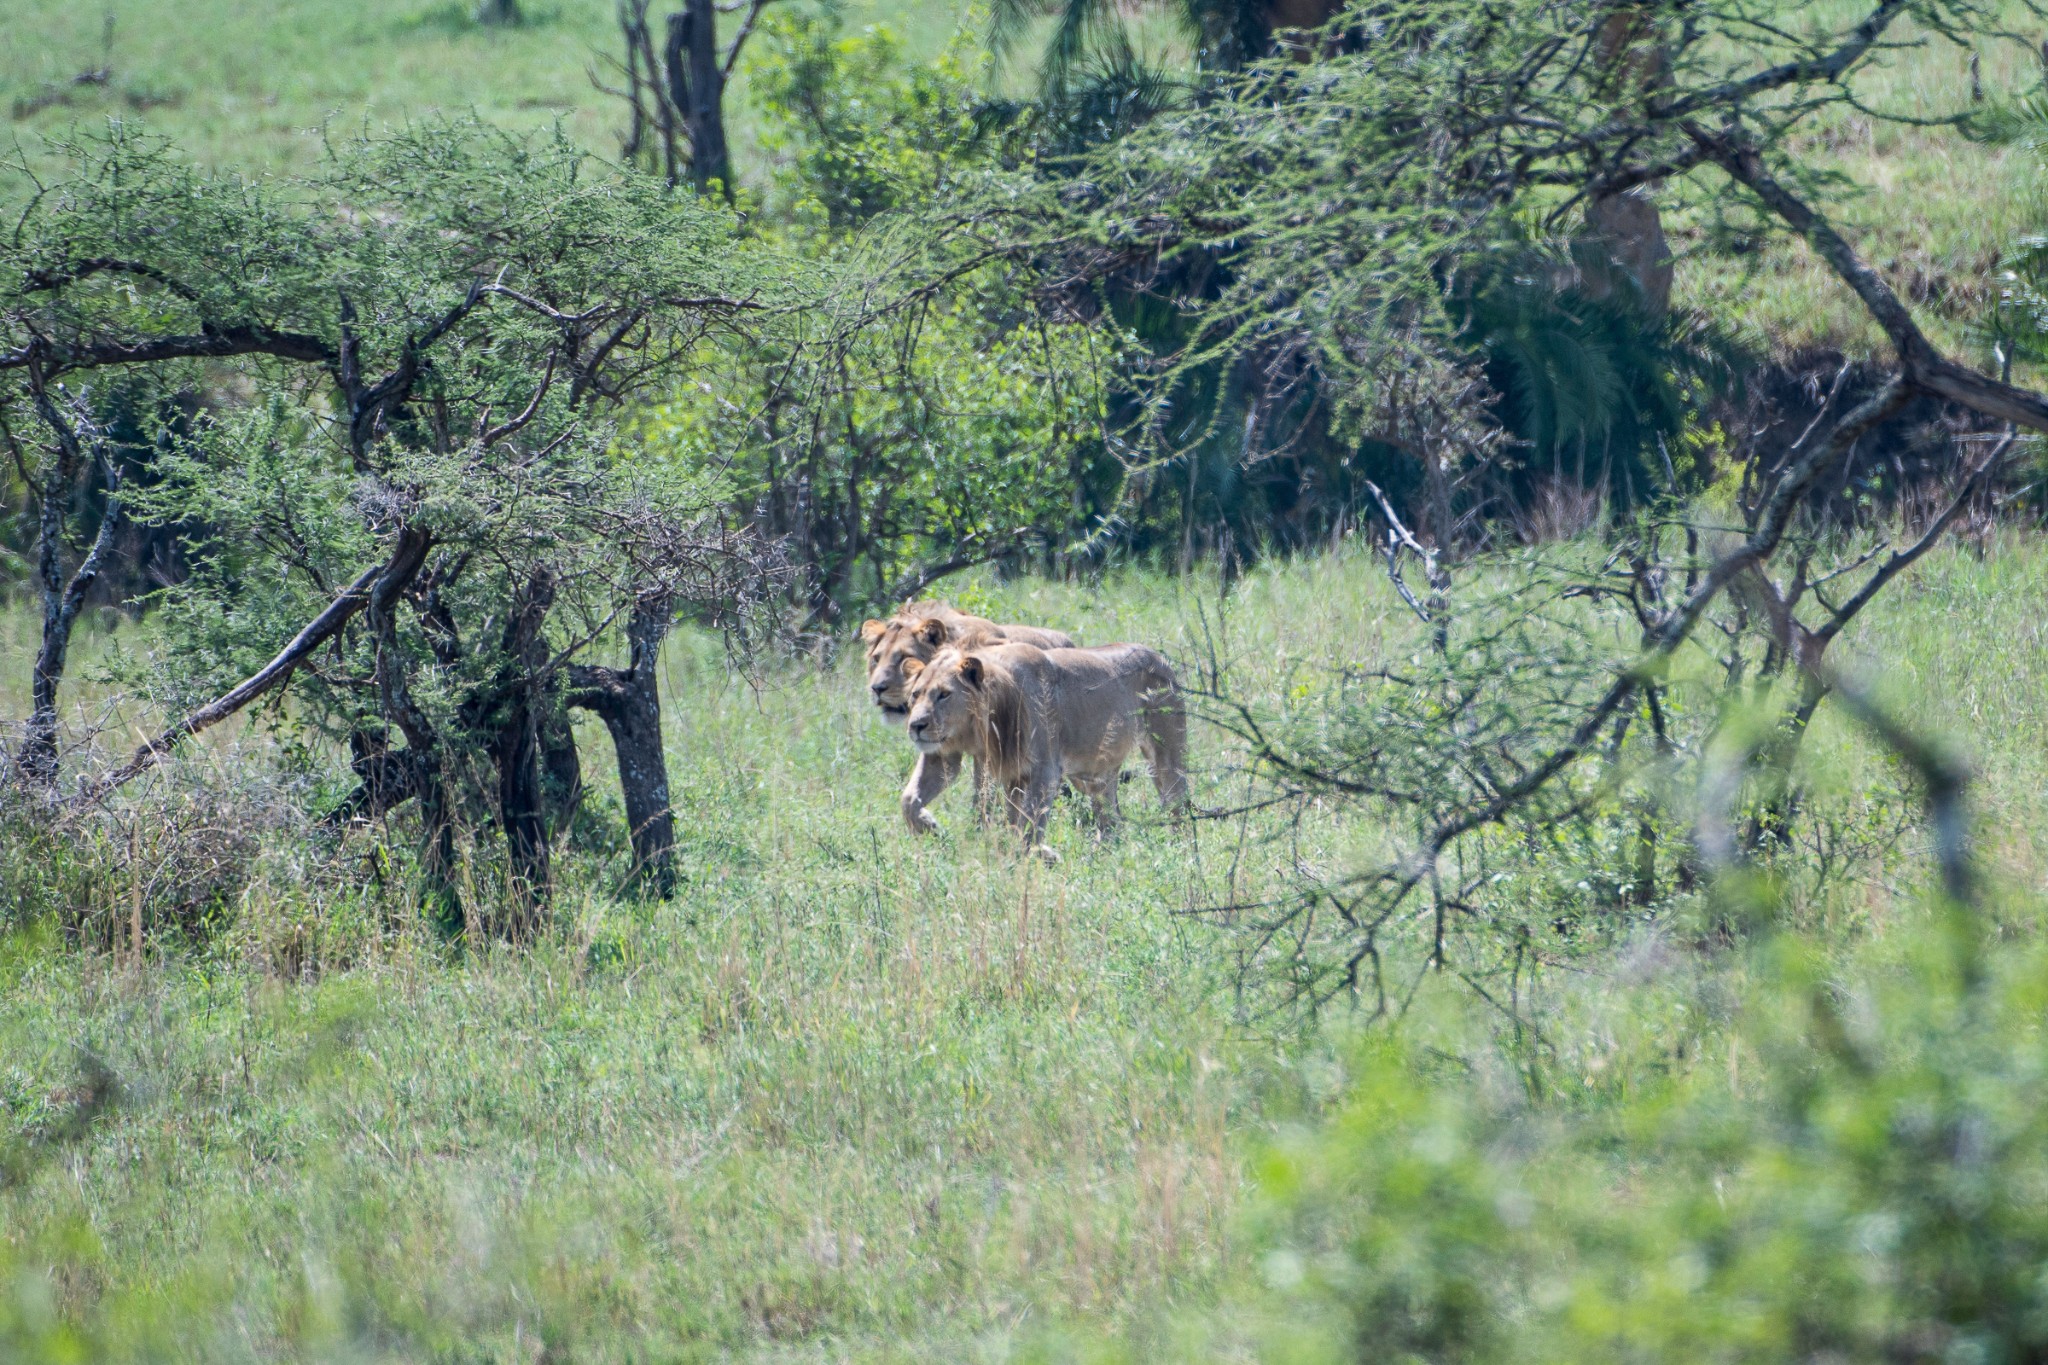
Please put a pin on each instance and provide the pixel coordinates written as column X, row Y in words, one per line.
column 1866, row 1178
column 860, row 128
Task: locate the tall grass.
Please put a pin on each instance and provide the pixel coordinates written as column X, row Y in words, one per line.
column 850, row 1095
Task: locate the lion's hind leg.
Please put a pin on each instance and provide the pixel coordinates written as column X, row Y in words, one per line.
column 1102, row 796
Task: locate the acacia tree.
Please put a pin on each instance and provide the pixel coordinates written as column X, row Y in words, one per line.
column 409, row 359
column 1339, row 197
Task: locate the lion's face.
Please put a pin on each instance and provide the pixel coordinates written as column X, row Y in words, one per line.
column 942, row 695
column 892, row 645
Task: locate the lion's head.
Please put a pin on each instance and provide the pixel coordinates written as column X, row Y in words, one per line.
column 945, row 700
column 892, row 646
column 961, row 702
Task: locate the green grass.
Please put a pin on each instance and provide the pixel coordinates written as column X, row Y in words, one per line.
column 248, row 84
column 850, row 1096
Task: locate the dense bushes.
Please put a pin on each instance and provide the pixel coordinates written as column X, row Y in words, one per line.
column 1851, row 1172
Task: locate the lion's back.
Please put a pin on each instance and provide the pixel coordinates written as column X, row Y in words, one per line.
column 1099, row 697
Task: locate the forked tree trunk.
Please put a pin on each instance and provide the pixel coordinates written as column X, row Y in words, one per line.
column 36, row 763
column 629, row 704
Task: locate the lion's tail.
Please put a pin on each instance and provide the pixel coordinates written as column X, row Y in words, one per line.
column 1164, row 733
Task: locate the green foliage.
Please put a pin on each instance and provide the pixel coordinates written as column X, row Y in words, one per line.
column 860, row 127
column 411, row 358
column 1322, row 282
column 1859, row 1181
column 905, row 425
column 914, row 444
column 1595, row 390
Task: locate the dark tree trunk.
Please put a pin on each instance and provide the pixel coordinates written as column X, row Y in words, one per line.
column 515, row 745
column 696, row 87
column 629, row 704
column 522, row 811
column 385, row 779
column 561, row 766
column 62, row 600
column 440, row 898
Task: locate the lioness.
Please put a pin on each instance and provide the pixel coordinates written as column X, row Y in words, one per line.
column 922, row 629
column 1030, row 716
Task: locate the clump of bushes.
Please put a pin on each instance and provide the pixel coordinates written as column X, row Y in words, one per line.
column 1857, row 1174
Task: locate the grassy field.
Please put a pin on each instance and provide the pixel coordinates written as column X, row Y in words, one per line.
column 248, row 84
column 850, row 1096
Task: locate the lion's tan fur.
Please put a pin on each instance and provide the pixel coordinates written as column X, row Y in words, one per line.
column 1031, row 716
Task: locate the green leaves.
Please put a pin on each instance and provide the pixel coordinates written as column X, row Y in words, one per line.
column 1859, row 1178
column 863, row 129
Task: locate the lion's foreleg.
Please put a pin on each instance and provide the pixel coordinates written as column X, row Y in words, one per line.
column 932, row 775
column 1034, row 806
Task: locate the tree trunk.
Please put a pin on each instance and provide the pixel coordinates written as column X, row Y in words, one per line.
column 521, row 810
column 629, row 704
column 696, row 87
column 440, row 897
column 385, row 779
column 36, row 763
column 516, row 747
column 561, row 766
column 1625, row 250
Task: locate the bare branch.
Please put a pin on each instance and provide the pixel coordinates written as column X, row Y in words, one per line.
column 381, row 583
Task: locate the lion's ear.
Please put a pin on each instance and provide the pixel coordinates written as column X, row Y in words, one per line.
column 970, row 670
column 933, row 630
column 871, row 630
column 912, row 666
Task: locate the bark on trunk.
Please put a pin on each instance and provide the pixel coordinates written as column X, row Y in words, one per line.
column 36, row 763
column 385, row 780
column 629, row 704
column 696, row 87
column 516, row 749
column 561, row 766
column 1626, row 250
column 440, row 897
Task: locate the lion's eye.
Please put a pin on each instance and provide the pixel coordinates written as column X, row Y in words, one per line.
column 941, row 696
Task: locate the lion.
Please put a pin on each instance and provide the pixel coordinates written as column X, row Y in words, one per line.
column 1031, row 716
column 922, row 629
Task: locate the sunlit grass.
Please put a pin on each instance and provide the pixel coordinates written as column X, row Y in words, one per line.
column 850, row 1095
